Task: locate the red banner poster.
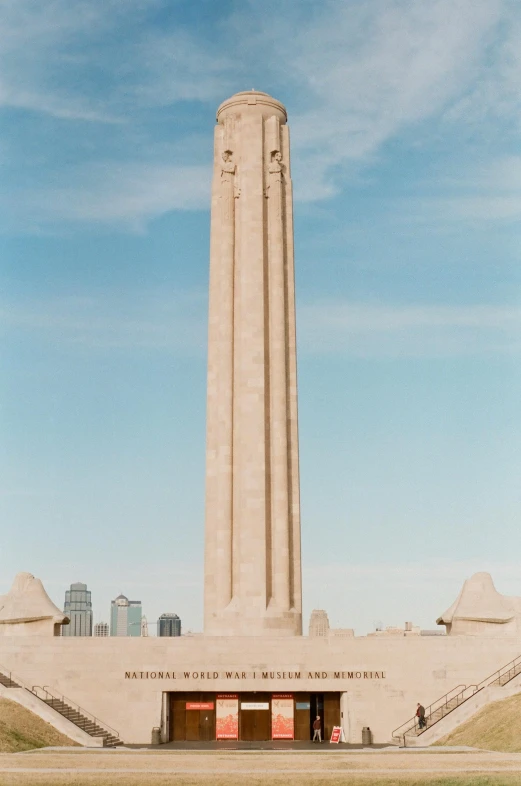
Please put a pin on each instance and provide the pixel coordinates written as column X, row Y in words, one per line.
column 282, row 716
column 227, row 717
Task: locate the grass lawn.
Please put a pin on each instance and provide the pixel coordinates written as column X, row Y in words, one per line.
column 497, row 727
column 21, row 730
column 335, row 779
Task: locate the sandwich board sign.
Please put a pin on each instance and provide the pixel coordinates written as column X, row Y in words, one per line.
column 337, row 735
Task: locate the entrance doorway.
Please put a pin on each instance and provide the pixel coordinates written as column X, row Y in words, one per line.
column 192, row 717
column 327, row 706
column 255, row 716
column 302, row 715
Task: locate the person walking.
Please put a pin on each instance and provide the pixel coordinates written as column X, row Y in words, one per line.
column 317, row 729
column 420, row 714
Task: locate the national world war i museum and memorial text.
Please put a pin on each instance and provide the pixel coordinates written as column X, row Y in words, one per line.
column 252, row 675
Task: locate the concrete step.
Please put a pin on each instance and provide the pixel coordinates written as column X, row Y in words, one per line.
column 445, row 709
column 7, row 682
column 88, row 726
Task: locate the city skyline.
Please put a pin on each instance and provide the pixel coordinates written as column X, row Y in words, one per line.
column 407, row 177
column 86, row 616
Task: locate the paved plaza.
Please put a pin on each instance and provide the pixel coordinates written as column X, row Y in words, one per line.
column 326, row 765
column 263, row 745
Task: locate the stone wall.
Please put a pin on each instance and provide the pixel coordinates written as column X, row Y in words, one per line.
column 122, row 681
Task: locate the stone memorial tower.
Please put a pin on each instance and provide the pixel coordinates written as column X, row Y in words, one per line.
column 252, row 557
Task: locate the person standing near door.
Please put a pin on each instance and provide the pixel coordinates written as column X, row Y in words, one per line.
column 317, row 729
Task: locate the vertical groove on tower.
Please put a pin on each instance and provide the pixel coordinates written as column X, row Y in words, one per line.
column 267, row 382
column 278, row 387
column 293, row 452
column 287, row 313
column 235, row 534
column 225, row 508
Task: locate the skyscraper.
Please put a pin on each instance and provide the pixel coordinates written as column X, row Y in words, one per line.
column 169, row 625
column 101, row 629
column 125, row 617
column 252, row 560
column 78, row 607
column 318, row 623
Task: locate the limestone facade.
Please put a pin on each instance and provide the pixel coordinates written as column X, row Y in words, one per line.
column 252, row 556
column 125, row 682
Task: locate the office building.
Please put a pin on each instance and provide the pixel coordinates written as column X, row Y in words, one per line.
column 318, row 623
column 125, row 617
column 78, row 607
column 101, row 629
column 169, row 625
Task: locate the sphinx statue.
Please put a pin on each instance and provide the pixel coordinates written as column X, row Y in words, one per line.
column 480, row 610
column 28, row 610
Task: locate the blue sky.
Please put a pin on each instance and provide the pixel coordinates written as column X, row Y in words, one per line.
column 405, row 121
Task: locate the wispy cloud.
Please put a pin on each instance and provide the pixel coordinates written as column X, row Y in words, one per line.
column 366, row 73
column 494, row 95
column 475, row 209
column 37, row 53
column 128, row 194
column 173, row 322
column 177, row 322
column 100, row 61
column 480, row 193
column 355, row 77
column 182, row 68
column 383, row 330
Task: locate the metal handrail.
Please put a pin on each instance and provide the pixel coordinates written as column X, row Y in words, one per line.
column 444, row 700
column 73, row 706
column 13, row 677
column 460, row 699
column 498, row 674
column 8, row 675
column 88, row 716
column 509, row 668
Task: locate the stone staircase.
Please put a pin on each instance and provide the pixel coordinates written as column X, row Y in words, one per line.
column 504, row 678
column 443, row 706
column 7, row 682
column 440, row 712
column 73, row 713
column 89, row 726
